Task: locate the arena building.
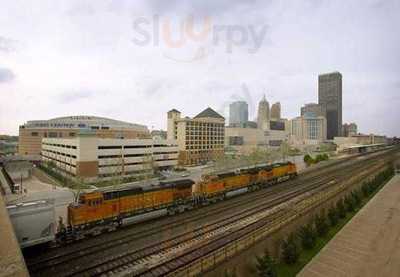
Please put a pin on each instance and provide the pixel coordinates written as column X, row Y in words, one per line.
column 92, row 158
column 32, row 132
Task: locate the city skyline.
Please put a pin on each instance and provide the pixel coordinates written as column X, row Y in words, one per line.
column 93, row 68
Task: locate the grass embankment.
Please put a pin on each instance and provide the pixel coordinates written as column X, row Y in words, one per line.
column 306, row 255
column 283, row 269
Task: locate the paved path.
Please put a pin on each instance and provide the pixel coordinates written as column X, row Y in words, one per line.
column 369, row 245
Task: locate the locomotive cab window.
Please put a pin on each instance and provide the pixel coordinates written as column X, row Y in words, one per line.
column 95, row 202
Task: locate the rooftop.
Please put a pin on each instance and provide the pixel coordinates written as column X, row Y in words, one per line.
column 209, row 113
column 82, row 121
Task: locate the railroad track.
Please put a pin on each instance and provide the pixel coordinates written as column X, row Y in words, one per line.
column 36, row 267
column 121, row 258
column 68, row 257
column 154, row 256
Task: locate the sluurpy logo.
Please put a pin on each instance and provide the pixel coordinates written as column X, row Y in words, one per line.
column 162, row 32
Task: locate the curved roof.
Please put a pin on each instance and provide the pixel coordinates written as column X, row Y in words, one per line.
column 83, row 121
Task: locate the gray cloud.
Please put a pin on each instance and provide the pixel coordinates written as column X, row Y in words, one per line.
column 90, row 42
column 6, row 75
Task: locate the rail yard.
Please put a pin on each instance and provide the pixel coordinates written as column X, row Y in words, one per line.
column 193, row 242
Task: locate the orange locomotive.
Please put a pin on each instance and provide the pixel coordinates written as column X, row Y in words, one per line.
column 105, row 209
column 215, row 187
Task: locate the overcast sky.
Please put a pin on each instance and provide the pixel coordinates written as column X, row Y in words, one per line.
column 103, row 58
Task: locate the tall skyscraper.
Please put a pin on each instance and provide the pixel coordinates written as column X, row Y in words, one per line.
column 263, row 114
column 238, row 113
column 330, row 98
column 276, row 111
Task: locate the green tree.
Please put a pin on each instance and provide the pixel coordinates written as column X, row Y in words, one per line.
column 341, row 209
column 333, row 216
column 356, row 197
column 266, row 266
column 365, row 189
column 307, row 236
column 308, row 160
column 318, row 158
column 349, row 203
column 321, row 226
column 290, row 250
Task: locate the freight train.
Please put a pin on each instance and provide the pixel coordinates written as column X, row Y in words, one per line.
column 107, row 209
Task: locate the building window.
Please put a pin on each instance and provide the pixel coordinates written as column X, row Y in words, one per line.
column 34, row 134
column 52, row 134
column 236, row 140
column 110, row 147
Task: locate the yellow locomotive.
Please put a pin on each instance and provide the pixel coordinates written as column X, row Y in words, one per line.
column 216, row 186
column 106, row 209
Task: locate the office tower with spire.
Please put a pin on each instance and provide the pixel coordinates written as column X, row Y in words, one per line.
column 263, row 114
column 276, row 111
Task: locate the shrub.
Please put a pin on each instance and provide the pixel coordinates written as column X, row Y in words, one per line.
column 341, row 210
column 349, row 203
column 266, row 266
column 321, row 226
column 308, row 160
column 318, row 158
column 290, row 250
column 356, row 198
column 365, row 189
column 333, row 216
column 307, row 236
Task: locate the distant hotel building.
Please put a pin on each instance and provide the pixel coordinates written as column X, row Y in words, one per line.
column 238, row 113
column 92, row 158
column 330, row 98
column 200, row 139
column 32, row 132
column 308, row 129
